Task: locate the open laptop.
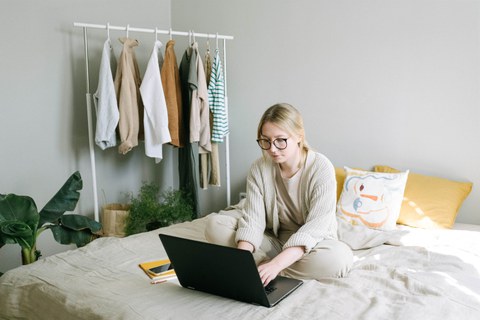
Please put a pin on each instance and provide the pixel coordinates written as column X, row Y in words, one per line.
column 224, row 271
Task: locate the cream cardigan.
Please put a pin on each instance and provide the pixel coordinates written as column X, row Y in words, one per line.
column 318, row 198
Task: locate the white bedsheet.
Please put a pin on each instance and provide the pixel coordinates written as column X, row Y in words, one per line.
column 423, row 275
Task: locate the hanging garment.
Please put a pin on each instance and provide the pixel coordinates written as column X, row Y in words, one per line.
column 186, row 158
column 208, row 64
column 216, row 98
column 200, row 116
column 199, row 110
column 203, row 169
column 106, row 101
column 155, row 117
column 214, row 161
column 206, row 158
column 173, row 94
column 127, row 87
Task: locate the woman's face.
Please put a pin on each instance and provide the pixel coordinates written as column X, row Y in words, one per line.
column 272, row 132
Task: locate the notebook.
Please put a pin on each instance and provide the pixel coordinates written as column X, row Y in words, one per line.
column 224, row 271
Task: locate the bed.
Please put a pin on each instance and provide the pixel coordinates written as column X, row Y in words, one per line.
column 405, row 273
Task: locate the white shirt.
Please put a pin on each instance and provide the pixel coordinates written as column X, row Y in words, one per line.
column 155, row 118
column 105, row 101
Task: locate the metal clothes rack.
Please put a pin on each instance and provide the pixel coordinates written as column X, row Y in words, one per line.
column 155, row 31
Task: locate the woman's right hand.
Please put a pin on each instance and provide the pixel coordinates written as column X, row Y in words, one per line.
column 244, row 245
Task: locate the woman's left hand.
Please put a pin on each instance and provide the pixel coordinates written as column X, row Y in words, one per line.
column 269, row 270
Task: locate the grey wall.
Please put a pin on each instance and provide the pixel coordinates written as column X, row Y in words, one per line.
column 379, row 82
column 43, row 120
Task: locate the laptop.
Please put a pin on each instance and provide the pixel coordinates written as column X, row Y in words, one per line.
column 224, row 271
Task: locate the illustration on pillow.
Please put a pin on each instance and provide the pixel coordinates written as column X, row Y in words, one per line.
column 372, row 199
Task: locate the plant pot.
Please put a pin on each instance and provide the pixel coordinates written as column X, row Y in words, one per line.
column 113, row 219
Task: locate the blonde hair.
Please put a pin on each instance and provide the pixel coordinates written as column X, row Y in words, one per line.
column 287, row 118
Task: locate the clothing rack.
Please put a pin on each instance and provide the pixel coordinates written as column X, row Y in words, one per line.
column 155, row 31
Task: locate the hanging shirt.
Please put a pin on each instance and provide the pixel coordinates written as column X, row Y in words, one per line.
column 155, row 117
column 186, row 159
column 173, row 94
column 199, row 110
column 106, row 101
column 127, row 88
column 208, row 65
column 216, row 98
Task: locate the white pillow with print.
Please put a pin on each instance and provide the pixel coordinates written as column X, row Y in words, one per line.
column 372, row 199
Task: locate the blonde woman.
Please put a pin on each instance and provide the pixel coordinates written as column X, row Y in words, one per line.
column 288, row 219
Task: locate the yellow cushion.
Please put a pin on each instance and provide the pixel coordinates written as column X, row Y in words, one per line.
column 430, row 202
column 340, row 175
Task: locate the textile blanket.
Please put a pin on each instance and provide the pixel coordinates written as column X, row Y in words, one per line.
column 400, row 274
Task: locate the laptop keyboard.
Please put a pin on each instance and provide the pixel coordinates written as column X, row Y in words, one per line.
column 269, row 289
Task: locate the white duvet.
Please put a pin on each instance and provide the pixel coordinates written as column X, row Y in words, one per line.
column 419, row 274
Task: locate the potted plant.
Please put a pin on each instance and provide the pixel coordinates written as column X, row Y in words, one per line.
column 152, row 209
column 21, row 223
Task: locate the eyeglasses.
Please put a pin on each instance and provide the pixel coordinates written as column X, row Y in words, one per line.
column 279, row 143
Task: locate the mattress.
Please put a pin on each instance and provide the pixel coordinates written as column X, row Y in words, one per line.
column 405, row 274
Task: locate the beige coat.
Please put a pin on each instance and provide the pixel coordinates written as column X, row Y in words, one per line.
column 127, row 88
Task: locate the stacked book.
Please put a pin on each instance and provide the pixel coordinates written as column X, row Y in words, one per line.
column 159, row 270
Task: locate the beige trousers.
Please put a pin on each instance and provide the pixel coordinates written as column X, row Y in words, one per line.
column 329, row 258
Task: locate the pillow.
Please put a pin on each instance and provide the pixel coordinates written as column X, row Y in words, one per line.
column 372, row 199
column 340, row 176
column 430, row 202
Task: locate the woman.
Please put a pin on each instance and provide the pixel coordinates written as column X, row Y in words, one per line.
column 288, row 220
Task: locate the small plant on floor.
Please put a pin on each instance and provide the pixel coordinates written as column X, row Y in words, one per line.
column 152, row 209
column 21, row 223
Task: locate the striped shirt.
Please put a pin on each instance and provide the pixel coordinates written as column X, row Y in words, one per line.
column 216, row 98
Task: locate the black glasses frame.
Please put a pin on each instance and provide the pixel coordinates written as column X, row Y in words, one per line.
column 275, row 143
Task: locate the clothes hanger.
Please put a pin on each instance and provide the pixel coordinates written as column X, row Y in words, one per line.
column 108, row 31
column 128, row 27
column 208, row 43
column 216, row 41
column 170, row 33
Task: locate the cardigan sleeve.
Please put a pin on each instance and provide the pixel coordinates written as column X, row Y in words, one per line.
column 253, row 222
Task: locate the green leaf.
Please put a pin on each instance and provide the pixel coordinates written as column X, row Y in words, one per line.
column 65, row 235
column 18, row 220
column 64, row 200
column 20, row 208
column 78, row 222
column 17, row 232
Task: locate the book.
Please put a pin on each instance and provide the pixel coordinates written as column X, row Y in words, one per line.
column 158, row 269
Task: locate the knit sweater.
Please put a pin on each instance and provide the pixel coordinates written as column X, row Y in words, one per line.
column 318, row 197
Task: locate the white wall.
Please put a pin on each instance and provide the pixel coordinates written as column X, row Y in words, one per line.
column 378, row 82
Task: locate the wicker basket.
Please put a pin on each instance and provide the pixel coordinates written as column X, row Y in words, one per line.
column 114, row 216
